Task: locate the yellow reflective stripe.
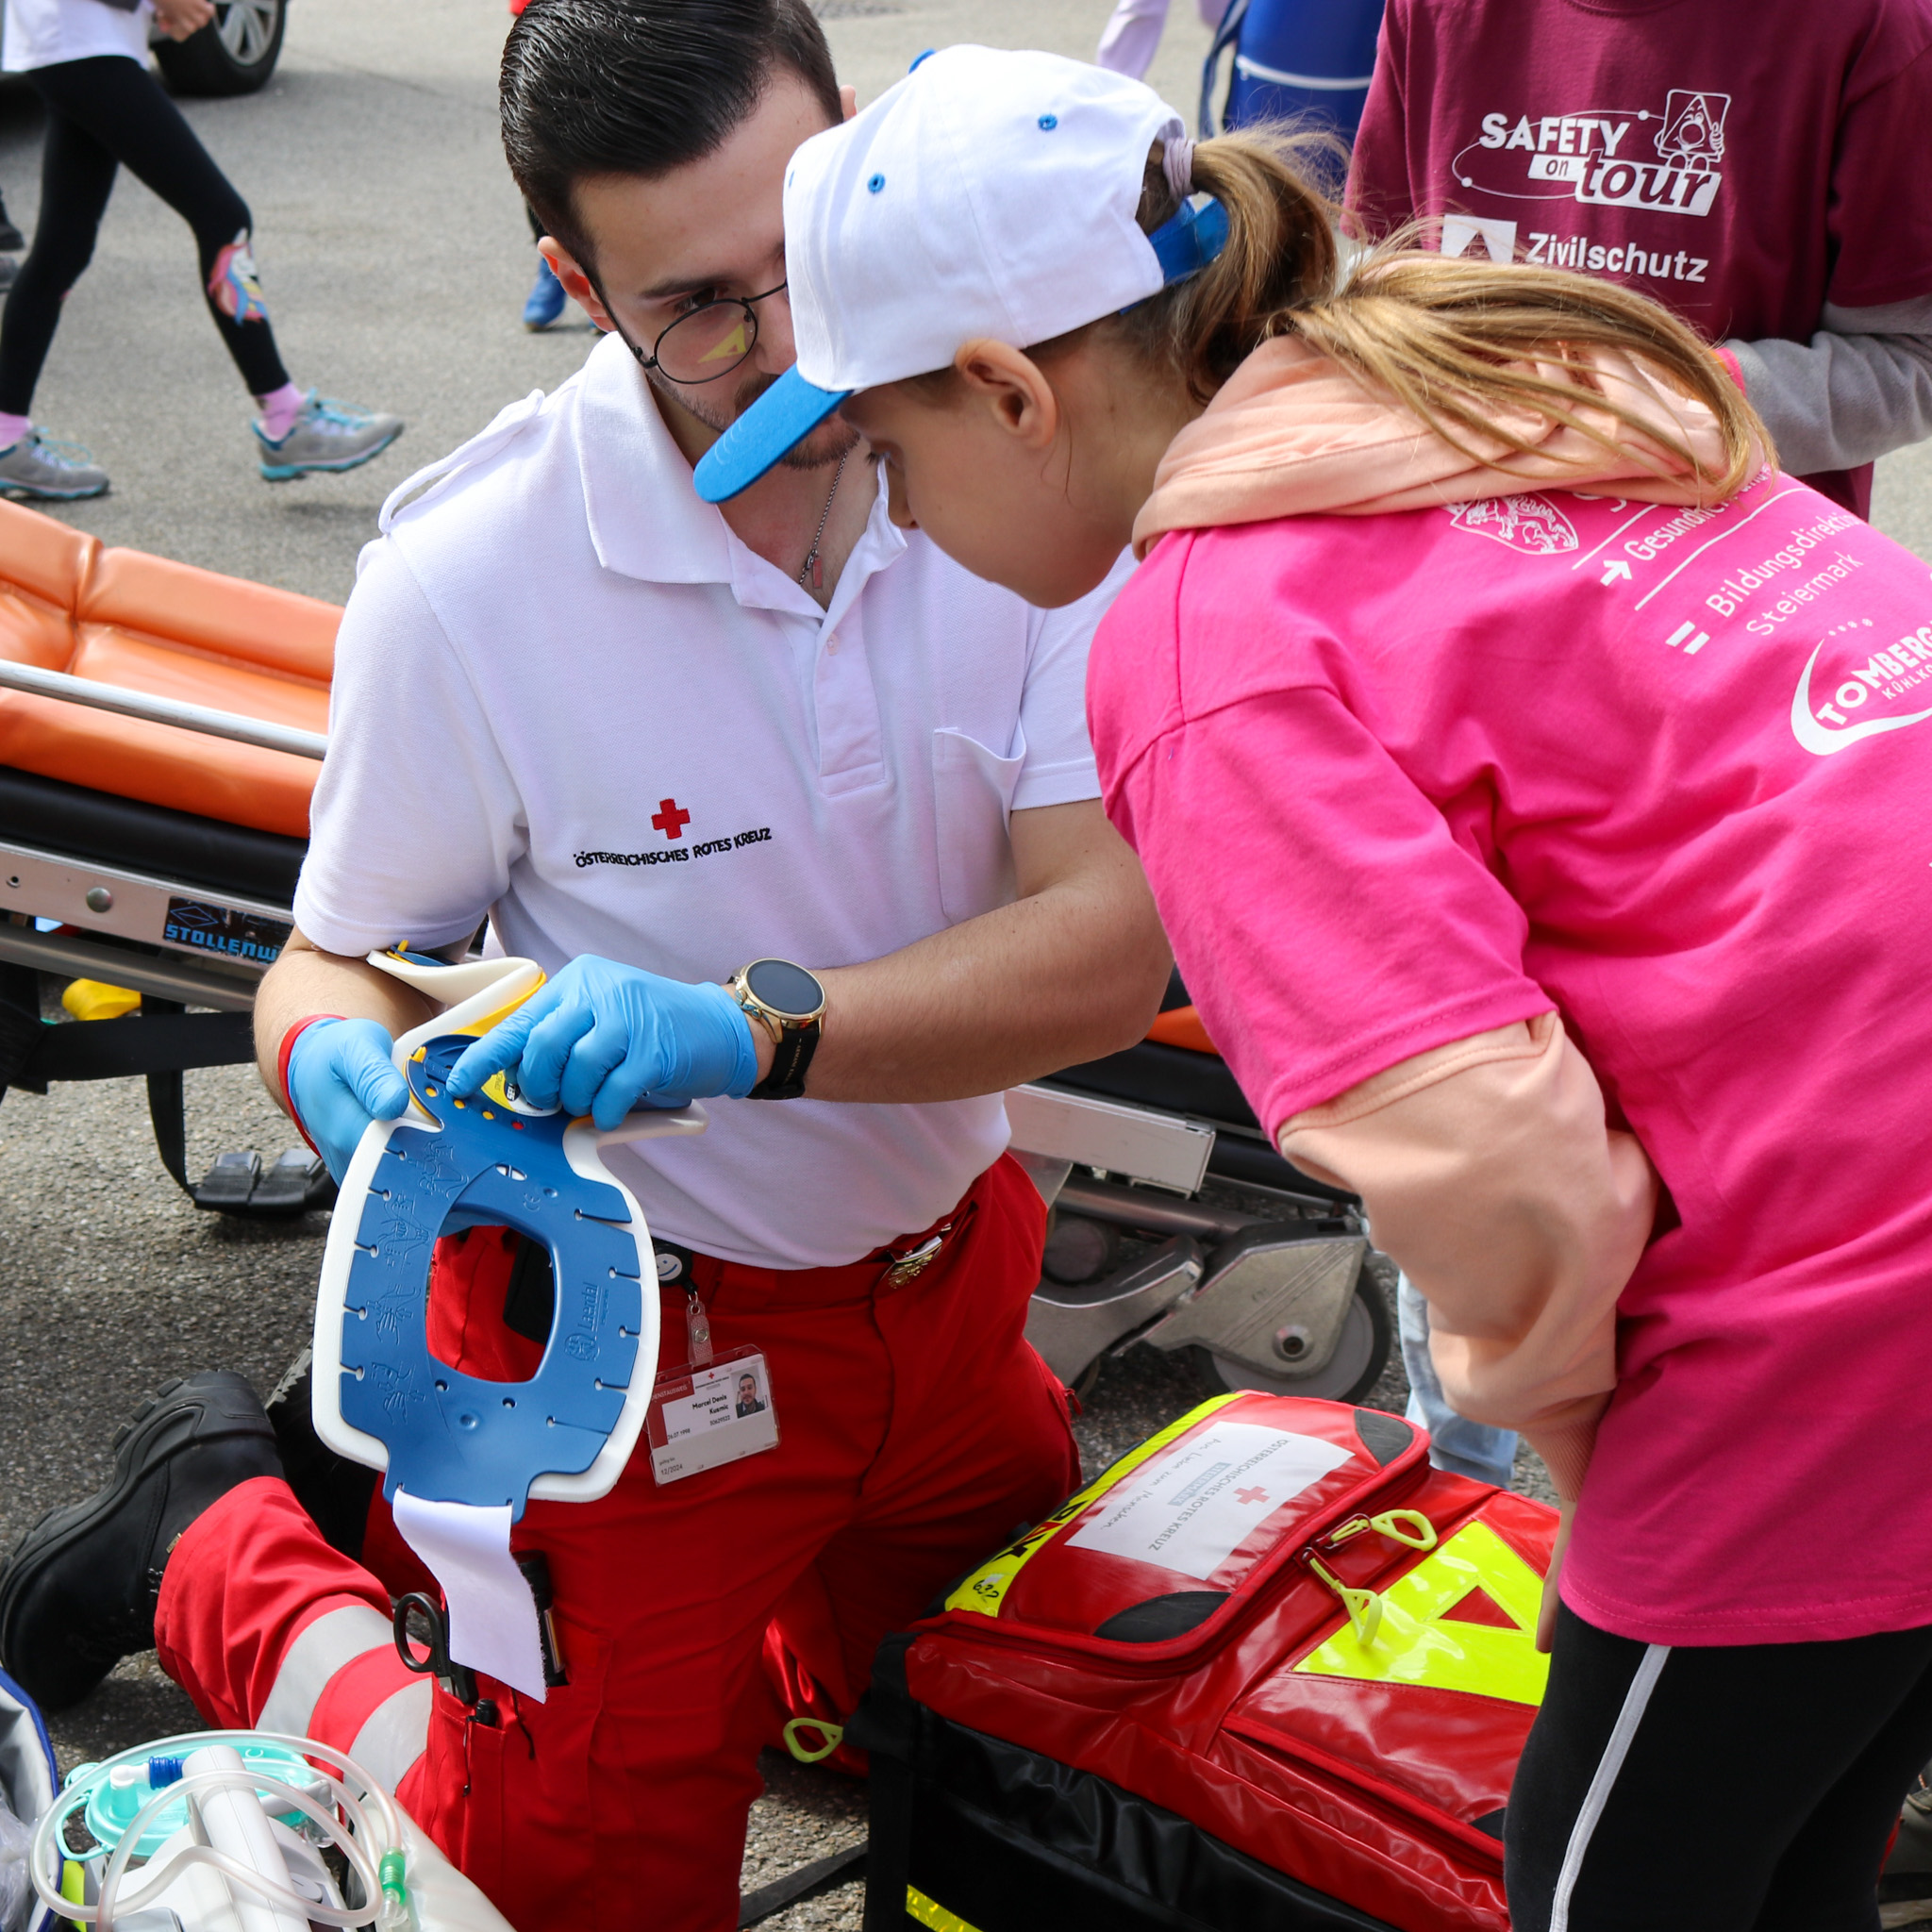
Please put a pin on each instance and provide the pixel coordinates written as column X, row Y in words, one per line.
column 986, row 1589
column 1415, row 1645
column 923, row 1908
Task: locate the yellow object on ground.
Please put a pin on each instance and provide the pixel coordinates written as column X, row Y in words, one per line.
column 93, row 999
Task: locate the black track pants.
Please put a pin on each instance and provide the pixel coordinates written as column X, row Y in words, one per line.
column 101, row 113
column 1744, row 1789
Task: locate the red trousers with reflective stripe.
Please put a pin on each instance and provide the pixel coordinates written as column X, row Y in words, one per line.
column 917, row 1428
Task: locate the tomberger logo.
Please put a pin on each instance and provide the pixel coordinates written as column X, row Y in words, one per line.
column 1882, row 678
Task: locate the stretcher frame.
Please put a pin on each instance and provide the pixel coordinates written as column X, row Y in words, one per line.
column 187, row 911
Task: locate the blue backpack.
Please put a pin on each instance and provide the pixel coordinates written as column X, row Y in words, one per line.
column 1304, row 59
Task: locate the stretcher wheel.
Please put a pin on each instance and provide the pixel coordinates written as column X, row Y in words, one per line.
column 1350, row 1372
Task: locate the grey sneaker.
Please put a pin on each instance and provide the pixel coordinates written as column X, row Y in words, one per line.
column 328, row 435
column 39, row 465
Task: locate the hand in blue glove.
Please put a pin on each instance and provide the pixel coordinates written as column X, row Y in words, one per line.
column 602, row 1040
column 341, row 1078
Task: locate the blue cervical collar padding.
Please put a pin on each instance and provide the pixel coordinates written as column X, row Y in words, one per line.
column 453, row 1438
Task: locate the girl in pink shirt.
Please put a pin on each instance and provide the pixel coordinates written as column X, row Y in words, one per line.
column 1535, row 783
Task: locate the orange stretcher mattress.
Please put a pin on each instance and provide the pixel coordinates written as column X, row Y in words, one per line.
column 122, row 617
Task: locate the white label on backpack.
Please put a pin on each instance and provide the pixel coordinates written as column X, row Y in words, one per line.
column 1192, row 1509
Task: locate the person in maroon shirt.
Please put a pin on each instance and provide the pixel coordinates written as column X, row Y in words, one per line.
column 1758, row 166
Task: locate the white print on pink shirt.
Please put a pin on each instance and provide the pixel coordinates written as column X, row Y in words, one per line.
column 1530, row 524
column 1887, row 674
column 1790, row 570
column 1600, row 157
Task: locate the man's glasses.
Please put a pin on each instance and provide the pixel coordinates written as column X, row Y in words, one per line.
column 710, row 341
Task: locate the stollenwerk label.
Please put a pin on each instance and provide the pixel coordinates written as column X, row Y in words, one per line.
column 208, row 927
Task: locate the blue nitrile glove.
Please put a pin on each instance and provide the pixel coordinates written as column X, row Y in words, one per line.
column 602, row 1040
column 341, row 1078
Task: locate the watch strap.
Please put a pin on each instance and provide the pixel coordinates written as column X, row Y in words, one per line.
column 791, row 1060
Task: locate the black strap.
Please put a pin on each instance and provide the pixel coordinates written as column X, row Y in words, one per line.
column 161, row 1039
column 167, row 1102
column 808, row 1880
column 21, row 1027
column 790, row 1061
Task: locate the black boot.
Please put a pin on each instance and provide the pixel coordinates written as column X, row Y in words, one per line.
column 78, row 1592
column 335, row 1491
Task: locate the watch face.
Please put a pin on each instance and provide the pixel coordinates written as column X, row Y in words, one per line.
column 786, row 989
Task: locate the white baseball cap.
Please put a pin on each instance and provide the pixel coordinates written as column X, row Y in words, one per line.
column 987, row 195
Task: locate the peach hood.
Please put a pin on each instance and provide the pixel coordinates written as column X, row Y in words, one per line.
column 1294, row 433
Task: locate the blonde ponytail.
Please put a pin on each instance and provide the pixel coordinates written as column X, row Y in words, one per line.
column 1456, row 342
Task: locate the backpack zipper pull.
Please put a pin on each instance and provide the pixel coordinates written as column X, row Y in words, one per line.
column 1364, row 1607
column 1409, row 1527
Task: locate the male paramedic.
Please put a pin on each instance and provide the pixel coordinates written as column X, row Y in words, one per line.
column 1749, row 164
column 654, row 745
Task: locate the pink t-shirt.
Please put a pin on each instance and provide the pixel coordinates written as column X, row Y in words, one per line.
column 1400, row 779
column 1742, row 161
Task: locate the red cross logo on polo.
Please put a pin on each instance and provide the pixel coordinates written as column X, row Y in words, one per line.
column 1251, row 1495
column 671, row 818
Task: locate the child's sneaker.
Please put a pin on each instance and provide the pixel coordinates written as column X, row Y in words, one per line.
column 328, row 435
column 545, row 303
column 39, row 465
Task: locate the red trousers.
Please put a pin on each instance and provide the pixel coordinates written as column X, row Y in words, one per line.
column 917, row 1428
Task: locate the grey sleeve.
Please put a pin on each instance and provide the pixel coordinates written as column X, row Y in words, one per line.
column 1860, row 389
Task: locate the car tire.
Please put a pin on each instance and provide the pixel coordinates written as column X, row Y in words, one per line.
column 234, row 54
column 1361, row 1353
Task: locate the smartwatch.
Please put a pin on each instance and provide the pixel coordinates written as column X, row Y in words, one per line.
column 790, row 1003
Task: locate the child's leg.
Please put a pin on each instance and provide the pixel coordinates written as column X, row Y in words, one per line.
column 122, row 105
column 77, row 177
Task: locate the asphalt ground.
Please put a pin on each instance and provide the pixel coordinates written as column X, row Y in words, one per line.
column 395, row 256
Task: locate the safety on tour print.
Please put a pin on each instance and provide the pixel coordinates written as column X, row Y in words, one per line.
column 1662, row 160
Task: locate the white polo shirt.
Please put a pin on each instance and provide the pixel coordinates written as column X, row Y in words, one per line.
column 567, row 695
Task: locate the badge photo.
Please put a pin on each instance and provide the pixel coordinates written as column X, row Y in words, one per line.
column 704, row 1416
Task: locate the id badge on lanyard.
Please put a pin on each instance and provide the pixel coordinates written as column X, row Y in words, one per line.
column 712, row 1408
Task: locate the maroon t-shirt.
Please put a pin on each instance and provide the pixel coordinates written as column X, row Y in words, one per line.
column 1742, row 161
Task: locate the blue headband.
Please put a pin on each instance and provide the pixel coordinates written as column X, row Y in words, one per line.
column 1186, row 242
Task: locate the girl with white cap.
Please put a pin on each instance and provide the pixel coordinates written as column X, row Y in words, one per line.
column 1524, row 769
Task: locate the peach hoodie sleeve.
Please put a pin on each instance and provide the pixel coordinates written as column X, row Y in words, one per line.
column 1490, row 1174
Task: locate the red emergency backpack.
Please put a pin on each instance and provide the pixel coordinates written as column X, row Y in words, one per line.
column 1270, row 1673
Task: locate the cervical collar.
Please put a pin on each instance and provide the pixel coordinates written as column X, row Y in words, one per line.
column 461, row 1455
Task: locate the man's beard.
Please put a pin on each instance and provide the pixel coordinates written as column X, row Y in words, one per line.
column 832, row 440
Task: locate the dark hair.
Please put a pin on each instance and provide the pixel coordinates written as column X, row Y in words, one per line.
column 642, row 87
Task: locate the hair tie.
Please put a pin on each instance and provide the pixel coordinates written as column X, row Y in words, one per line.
column 1177, row 162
